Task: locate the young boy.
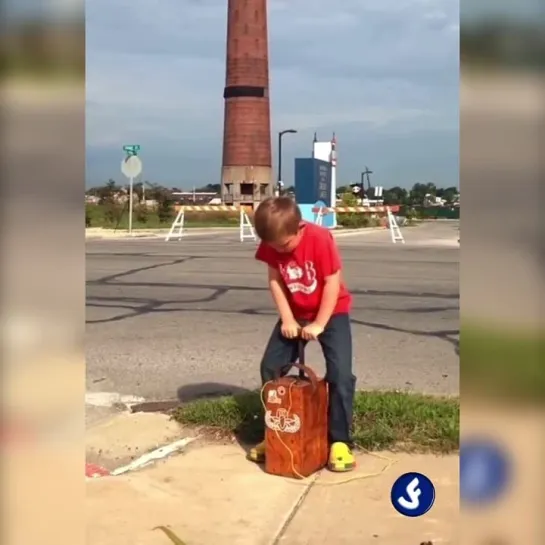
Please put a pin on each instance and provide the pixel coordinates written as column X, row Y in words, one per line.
column 306, row 284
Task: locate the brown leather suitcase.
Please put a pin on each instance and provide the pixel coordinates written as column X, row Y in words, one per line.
column 296, row 427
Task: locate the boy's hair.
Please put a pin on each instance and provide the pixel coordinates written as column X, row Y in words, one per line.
column 276, row 218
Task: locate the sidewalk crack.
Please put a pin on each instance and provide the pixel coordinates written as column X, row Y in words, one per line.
column 294, row 510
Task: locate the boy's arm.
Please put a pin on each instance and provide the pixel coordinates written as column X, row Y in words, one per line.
column 279, row 296
column 329, row 262
column 330, row 296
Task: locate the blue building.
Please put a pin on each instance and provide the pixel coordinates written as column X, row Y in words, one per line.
column 313, row 185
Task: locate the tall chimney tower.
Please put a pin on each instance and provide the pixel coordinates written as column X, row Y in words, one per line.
column 247, row 164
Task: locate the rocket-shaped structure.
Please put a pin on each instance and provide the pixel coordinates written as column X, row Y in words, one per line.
column 327, row 151
column 334, row 170
column 247, row 162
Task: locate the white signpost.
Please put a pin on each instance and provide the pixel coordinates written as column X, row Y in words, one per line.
column 131, row 167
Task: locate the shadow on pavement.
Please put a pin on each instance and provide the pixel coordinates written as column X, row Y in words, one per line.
column 203, row 390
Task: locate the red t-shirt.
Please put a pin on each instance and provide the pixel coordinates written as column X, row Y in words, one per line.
column 304, row 271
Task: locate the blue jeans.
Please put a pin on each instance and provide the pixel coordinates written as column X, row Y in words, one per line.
column 336, row 344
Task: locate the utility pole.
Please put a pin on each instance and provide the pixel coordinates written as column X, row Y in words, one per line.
column 366, row 172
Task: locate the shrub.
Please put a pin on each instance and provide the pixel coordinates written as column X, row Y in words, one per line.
column 94, row 215
column 349, row 199
column 165, row 212
column 141, row 214
column 113, row 212
column 353, row 220
column 214, row 218
column 410, row 213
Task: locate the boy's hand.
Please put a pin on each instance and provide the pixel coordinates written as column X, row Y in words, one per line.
column 290, row 330
column 311, row 332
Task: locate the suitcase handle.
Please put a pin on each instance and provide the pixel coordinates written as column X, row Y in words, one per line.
column 301, row 356
column 306, row 370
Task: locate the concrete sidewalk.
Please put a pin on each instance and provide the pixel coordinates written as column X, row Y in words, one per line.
column 210, row 495
column 103, row 233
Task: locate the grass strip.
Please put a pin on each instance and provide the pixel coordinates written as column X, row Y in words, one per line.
column 382, row 420
column 502, row 363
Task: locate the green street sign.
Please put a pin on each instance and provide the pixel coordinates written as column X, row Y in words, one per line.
column 132, row 149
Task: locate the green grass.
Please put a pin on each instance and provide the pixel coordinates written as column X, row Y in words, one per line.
column 382, row 420
column 505, row 364
column 98, row 219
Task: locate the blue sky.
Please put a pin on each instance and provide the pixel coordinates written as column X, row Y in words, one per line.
column 382, row 74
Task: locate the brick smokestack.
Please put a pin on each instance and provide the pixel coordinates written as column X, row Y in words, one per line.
column 246, row 164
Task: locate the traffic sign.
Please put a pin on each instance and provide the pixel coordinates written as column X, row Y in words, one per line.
column 132, row 148
column 131, row 166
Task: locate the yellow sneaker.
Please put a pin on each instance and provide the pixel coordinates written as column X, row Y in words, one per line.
column 257, row 453
column 341, row 458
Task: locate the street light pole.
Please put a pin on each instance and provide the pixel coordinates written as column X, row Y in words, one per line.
column 279, row 173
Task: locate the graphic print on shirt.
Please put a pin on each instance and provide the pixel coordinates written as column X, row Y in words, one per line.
column 300, row 280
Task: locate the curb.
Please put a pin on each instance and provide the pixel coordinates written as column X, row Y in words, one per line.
column 134, row 236
column 93, row 471
column 106, row 235
column 346, row 232
column 98, row 232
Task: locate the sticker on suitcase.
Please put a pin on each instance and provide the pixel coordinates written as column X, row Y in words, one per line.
column 282, row 422
column 272, row 397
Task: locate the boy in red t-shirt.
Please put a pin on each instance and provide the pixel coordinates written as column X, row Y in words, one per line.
column 305, row 279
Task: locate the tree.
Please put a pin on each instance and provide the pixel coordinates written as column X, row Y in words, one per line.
column 349, row 199
column 141, row 213
column 138, row 190
column 106, row 193
column 209, row 188
column 395, row 195
column 165, row 201
column 94, row 191
column 449, row 194
column 417, row 195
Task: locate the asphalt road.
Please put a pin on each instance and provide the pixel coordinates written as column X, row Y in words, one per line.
column 167, row 320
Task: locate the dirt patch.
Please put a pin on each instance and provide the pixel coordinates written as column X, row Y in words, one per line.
column 109, row 463
column 127, row 436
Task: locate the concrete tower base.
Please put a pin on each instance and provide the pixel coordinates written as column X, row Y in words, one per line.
column 246, row 185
